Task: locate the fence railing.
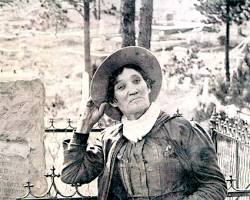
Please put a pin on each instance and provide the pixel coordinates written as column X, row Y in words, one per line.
column 235, row 192
column 53, row 192
column 232, row 141
column 231, row 137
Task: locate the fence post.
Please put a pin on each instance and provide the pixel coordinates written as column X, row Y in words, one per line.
column 212, row 129
column 237, row 165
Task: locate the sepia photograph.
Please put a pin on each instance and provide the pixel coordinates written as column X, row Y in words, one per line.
column 125, row 99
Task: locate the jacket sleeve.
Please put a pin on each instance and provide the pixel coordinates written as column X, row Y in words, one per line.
column 82, row 162
column 204, row 164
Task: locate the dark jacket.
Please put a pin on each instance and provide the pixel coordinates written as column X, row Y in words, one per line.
column 198, row 176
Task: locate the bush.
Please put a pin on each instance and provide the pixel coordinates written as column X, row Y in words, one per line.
column 222, row 39
column 187, row 65
column 237, row 92
column 204, row 112
column 54, row 105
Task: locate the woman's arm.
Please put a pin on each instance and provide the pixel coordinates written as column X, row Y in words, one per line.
column 201, row 151
column 82, row 162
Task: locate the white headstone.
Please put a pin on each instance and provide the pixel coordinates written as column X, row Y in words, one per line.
column 21, row 137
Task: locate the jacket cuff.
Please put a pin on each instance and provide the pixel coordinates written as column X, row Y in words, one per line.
column 79, row 138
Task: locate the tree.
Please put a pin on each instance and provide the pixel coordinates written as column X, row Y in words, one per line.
column 5, row 2
column 83, row 8
column 87, row 56
column 128, row 22
column 225, row 11
column 60, row 8
column 145, row 23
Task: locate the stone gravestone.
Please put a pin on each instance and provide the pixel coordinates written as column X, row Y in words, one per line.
column 21, row 137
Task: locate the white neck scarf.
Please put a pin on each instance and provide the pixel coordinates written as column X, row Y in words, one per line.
column 135, row 130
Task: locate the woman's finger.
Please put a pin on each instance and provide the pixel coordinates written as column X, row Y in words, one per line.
column 90, row 103
column 102, row 107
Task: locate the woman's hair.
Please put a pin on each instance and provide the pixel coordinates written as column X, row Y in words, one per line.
column 116, row 73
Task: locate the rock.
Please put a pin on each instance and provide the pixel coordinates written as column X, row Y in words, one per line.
column 21, row 137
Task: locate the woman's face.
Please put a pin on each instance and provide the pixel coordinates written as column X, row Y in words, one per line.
column 131, row 94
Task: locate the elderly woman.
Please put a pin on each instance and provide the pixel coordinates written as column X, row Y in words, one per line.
column 149, row 155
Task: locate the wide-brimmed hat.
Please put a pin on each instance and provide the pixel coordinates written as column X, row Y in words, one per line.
column 128, row 55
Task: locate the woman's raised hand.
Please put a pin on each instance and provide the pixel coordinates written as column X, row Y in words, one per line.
column 90, row 117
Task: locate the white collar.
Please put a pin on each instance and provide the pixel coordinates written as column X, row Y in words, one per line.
column 135, row 130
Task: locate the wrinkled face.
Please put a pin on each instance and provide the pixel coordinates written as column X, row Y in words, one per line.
column 131, row 93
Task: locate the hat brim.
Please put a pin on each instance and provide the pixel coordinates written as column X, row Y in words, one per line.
column 128, row 55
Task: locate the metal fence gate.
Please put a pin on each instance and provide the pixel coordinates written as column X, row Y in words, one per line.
column 231, row 137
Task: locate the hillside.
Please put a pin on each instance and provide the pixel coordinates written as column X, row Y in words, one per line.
column 30, row 44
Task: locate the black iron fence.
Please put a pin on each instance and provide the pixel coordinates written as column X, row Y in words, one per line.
column 231, row 137
column 53, row 192
column 235, row 192
column 232, row 141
